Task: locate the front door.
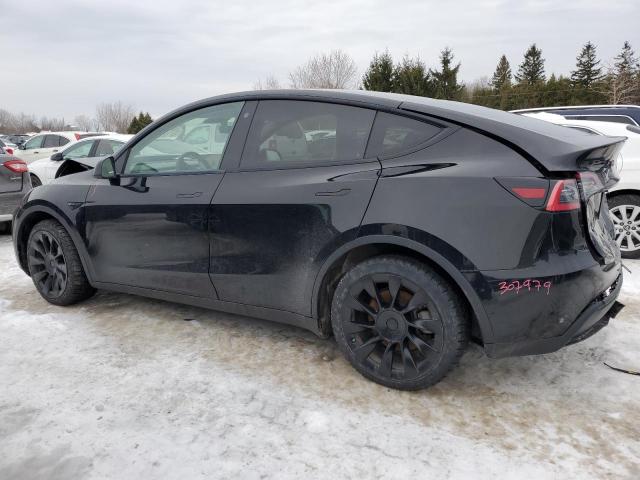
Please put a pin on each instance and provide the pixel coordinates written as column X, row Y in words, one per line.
column 301, row 190
column 149, row 228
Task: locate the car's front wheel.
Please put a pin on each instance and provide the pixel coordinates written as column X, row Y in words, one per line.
column 398, row 322
column 55, row 266
column 625, row 213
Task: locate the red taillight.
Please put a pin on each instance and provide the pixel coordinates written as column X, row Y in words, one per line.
column 77, row 135
column 9, row 150
column 564, row 197
column 17, row 166
column 529, row 193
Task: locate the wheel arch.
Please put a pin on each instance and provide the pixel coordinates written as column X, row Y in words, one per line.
column 370, row 246
column 624, row 191
column 30, row 217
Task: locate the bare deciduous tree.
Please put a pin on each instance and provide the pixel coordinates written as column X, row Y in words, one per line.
column 335, row 69
column 270, row 83
column 114, row 116
column 83, row 122
column 619, row 88
column 52, row 124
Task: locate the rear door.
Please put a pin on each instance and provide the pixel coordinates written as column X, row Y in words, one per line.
column 150, row 228
column 294, row 198
column 52, row 144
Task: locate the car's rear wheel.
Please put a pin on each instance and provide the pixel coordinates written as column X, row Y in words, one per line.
column 35, row 181
column 625, row 213
column 55, row 266
column 398, row 322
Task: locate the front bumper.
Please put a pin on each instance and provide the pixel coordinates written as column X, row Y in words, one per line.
column 591, row 320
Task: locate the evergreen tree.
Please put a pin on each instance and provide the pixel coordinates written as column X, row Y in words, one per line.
column 531, row 70
column 445, row 81
column 626, row 62
column 411, row 77
column 502, row 76
column 139, row 122
column 587, row 72
column 622, row 84
column 379, row 75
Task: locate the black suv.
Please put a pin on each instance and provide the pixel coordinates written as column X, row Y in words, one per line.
column 404, row 226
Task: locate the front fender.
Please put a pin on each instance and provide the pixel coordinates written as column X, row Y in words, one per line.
column 68, row 213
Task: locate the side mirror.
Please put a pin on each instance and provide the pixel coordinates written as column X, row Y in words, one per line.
column 106, row 168
column 57, row 157
column 22, row 146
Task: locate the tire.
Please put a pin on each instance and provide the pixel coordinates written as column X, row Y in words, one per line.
column 35, row 181
column 417, row 336
column 55, row 266
column 625, row 213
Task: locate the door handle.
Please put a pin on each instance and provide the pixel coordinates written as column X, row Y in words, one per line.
column 189, row 195
column 54, row 151
column 337, row 193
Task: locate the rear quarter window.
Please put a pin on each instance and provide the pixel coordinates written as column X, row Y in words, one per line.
column 394, row 135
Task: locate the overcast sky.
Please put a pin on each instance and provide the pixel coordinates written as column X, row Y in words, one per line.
column 62, row 57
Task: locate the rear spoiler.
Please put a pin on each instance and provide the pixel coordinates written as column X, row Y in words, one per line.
column 552, row 148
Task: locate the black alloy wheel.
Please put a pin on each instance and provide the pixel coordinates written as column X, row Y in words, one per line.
column 398, row 322
column 55, row 266
column 47, row 264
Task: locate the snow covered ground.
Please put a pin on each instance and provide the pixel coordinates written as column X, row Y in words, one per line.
column 123, row 387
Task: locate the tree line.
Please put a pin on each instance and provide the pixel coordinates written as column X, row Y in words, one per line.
column 116, row 117
column 590, row 82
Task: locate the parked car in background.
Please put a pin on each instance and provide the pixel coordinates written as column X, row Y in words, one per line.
column 470, row 223
column 17, row 139
column 14, row 184
column 77, row 156
column 45, row 144
column 7, row 146
column 624, row 197
column 629, row 114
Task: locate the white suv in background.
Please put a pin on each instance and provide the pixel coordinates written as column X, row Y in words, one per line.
column 45, row 144
column 624, row 197
column 86, row 152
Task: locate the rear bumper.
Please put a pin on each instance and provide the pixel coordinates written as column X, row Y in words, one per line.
column 8, row 204
column 9, row 201
column 591, row 320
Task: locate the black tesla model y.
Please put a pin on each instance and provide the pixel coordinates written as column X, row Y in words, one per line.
column 404, row 226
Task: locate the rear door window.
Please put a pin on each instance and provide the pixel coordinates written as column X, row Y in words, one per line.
column 51, row 141
column 394, row 135
column 290, row 133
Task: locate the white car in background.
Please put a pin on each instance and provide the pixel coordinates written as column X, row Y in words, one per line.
column 86, row 152
column 624, row 197
column 45, row 144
